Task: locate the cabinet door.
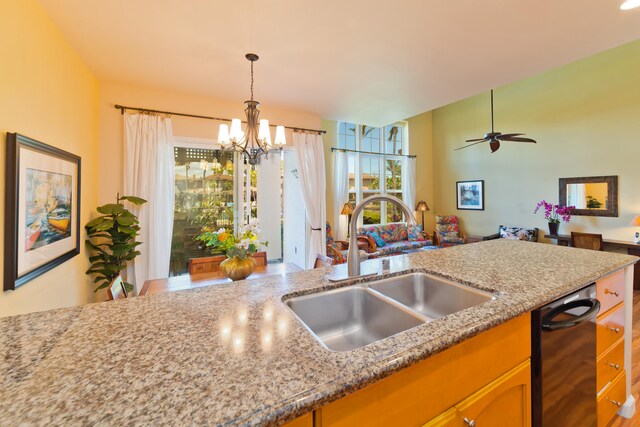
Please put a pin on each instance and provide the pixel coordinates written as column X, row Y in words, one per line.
column 504, row 402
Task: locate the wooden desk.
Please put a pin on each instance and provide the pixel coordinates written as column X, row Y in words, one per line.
column 609, row 244
column 191, row 281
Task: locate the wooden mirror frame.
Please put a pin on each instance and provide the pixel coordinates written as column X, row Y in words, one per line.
column 612, row 194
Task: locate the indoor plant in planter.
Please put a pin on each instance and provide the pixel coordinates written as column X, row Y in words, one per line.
column 239, row 250
column 111, row 238
column 553, row 214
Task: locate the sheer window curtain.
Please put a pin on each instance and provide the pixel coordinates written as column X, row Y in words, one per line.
column 310, row 157
column 148, row 173
column 340, row 194
column 409, row 182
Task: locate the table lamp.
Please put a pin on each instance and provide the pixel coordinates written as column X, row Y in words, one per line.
column 422, row 207
column 635, row 222
column 347, row 209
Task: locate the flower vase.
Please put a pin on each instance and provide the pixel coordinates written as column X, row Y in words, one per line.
column 236, row 268
column 553, row 228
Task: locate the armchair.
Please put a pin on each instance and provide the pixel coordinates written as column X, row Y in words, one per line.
column 337, row 249
column 447, row 232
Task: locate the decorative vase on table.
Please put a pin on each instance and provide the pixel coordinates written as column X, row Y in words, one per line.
column 237, row 268
column 238, row 249
column 553, row 228
column 554, row 214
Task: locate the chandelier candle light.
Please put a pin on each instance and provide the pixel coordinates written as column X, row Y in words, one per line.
column 256, row 139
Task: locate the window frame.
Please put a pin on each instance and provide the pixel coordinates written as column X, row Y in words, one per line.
column 383, row 156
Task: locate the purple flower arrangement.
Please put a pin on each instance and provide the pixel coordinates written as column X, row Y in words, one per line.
column 553, row 213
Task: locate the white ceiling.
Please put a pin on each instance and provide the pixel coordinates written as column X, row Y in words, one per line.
column 369, row 61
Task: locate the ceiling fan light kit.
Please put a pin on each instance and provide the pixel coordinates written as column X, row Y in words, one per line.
column 630, row 4
column 494, row 138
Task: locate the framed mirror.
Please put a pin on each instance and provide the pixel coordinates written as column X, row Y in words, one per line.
column 592, row 196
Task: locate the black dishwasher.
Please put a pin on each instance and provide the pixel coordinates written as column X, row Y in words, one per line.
column 564, row 361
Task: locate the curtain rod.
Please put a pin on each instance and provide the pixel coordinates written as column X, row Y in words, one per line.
column 123, row 108
column 346, row 150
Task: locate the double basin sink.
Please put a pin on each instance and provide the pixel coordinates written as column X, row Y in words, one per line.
column 351, row 317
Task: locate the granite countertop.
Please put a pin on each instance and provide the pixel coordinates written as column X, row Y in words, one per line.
column 234, row 354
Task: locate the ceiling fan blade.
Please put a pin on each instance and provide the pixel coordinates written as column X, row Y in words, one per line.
column 494, row 144
column 477, row 139
column 509, row 135
column 517, row 139
column 469, row 145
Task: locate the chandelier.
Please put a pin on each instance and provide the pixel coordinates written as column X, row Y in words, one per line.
column 255, row 140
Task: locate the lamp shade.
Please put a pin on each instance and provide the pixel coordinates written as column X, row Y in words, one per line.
column 347, row 209
column 223, row 135
column 280, row 138
column 236, row 133
column 422, row 206
column 263, row 133
column 635, row 222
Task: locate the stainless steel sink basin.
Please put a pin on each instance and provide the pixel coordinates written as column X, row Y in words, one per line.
column 348, row 318
column 429, row 295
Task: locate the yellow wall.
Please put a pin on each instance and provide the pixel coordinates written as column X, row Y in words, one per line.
column 586, row 119
column 112, row 133
column 47, row 93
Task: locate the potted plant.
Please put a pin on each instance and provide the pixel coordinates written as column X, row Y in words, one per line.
column 111, row 238
column 553, row 214
column 238, row 250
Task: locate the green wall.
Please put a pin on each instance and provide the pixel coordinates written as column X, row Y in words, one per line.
column 586, row 119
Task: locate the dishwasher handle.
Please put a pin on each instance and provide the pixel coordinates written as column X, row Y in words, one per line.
column 548, row 324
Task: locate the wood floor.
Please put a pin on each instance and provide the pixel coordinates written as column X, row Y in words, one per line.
column 635, row 372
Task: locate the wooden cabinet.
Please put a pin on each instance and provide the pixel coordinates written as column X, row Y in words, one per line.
column 432, row 387
column 304, row 421
column 506, row 401
column 611, row 379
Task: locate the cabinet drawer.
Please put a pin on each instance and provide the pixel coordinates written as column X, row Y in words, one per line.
column 610, row 399
column 610, row 364
column 610, row 291
column 610, row 328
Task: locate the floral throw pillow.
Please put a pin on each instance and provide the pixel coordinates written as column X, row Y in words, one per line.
column 415, row 234
column 450, row 236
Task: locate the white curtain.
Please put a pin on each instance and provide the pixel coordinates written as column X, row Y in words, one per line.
column 340, row 194
column 148, row 173
column 576, row 196
column 310, row 156
column 409, row 182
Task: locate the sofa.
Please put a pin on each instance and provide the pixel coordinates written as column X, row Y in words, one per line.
column 514, row 233
column 396, row 237
column 337, row 250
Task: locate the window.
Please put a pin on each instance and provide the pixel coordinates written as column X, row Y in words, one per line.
column 377, row 168
column 203, row 195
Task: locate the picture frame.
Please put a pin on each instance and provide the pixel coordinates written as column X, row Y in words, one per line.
column 470, row 195
column 42, row 209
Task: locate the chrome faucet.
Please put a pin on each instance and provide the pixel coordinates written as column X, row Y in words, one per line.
column 353, row 257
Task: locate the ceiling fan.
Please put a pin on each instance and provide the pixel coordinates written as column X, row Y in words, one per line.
column 494, row 138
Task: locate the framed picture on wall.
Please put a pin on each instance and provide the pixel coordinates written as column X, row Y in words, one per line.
column 470, row 195
column 42, row 209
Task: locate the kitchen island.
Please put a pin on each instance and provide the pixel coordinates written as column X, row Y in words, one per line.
column 235, row 354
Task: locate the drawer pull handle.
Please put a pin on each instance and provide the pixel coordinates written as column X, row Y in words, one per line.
column 616, row 330
column 614, row 293
column 618, row 404
column 470, row 423
column 614, row 365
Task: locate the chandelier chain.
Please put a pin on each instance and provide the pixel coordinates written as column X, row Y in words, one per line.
column 252, row 80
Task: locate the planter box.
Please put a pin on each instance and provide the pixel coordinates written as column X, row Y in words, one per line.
column 211, row 264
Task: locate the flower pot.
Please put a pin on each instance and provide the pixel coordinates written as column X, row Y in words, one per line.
column 553, row 228
column 238, row 269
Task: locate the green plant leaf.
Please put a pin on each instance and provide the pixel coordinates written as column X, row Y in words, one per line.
column 95, row 222
column 133, row 199
column 111, row 209
column 125, row 220
column 107, row 224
